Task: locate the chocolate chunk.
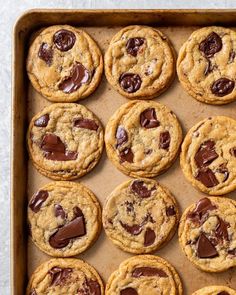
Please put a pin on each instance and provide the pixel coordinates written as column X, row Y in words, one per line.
column 59, row 211
column 232, row 252
column 55, row 149
column 86, row 123
column 33, row 292
column 132, row 229
column 209, row 68
column 201, row 209
column 121, row 136
column 71, row 230
column 170, row 211
column 46, row 53
column 164, row 140
column 59, row 275
column 128, row 291
column 205, row 249
column 223, row 170
column 232, row 151
column 140, row 189
column 37, row 200
column 222, row 87
column 148, row 118
column 148, row 272
column 64, row 40
column 207, row 177
column 79, row 75
column 211, row 45
column 223, row 293
column 231, row 57
column 149, row 237
column 77, row 212
column 90, row 287
column 206, row 154
column 133, row 45
column 127, row 155
column 130, row 82
column 42, row 121
column 221, row 231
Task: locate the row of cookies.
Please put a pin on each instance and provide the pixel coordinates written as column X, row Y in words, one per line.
column 65, row 64
column 140, row 216
column 65, row 141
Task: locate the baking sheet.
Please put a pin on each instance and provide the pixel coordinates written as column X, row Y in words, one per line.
column 103, row 255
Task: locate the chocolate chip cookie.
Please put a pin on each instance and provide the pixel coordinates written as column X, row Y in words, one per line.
column 144, row 274
column 139, row 62
column 64, row 218
column 206, row 65
column 140, row 216
column 208, row 155
column 64, row 64
column 215, row 290
column 143, row 138
column 65, row 141
column 65, row 277
column 207, row 234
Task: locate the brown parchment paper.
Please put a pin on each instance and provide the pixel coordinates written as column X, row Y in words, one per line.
column 103, row 255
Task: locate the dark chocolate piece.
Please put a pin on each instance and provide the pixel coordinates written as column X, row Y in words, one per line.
column 164, row 140
column 59, row 275
column 134, row 230
column 46, row 53
column 138, row 187
column 121, row 136
column 148, row 272
column 37, row 200
column 149, row 237
column 148, row 119
column 130, row 82
column 206, row 154
column 205, row 249
column 211, row 45
column 79, row 75
column 222, row 87
column 207, row 177
column 42, row 121
column 126, row 155
column 55, row 149
column 64, row 40
column 133, row 45
column 86, row 124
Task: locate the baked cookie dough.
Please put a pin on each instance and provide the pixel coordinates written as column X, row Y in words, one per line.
column 144, row 274
column 64, row 64
column 143, row 138
column 65, row 277
column 65, row 141
column 140, row 216
column 208, row 155
column 64, row 218
column 206, row 65
column 215, row 290
column 207, row 234
column 139, row 62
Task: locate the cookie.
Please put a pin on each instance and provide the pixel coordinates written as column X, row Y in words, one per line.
column 140, row 216
column 215, row 290
column 206, row 65
column 208, row 155
column 140, row 62
column 65, row 277
column 64, row 64
column 144, row 274
column 65, row 141
column 64, row 218
column 207, row 234
column 143, row 138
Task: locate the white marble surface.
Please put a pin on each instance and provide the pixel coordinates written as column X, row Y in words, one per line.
column 9, row 12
